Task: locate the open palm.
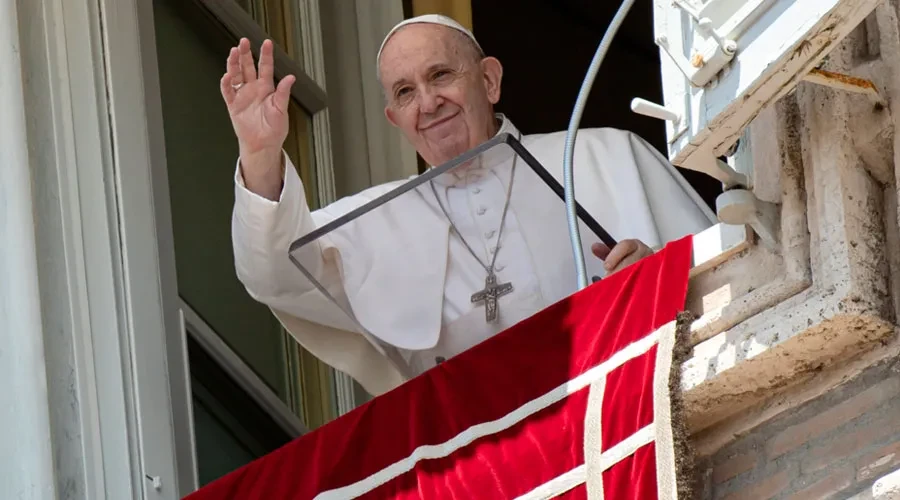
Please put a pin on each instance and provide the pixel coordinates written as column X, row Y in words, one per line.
column 258, row 109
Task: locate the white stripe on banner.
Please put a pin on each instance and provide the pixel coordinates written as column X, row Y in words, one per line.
column 469, row 435
column 557, row 486
column 565, row 482
column 593, row 440
column 627, row 446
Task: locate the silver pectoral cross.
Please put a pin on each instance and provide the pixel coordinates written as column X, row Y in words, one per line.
column 489, row 295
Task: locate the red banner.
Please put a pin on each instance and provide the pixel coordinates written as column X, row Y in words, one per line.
column 573, row 402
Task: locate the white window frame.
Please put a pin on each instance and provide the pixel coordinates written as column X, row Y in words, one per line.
column 89, row 146
column 105, row 125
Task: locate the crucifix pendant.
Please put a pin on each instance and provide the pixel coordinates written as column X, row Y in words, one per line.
column 489, row 295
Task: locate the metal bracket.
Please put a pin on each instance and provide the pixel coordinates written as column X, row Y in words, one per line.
column 155, row 481
column 710, row 164
column 722, row 171
column 707, row 60
column 737, row 205
column 740, row 206
column 653, row 110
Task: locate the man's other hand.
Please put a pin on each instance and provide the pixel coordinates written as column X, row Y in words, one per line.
column 625, row 253
column 259, row 115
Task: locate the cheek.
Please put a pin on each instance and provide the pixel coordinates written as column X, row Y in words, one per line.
column 406, row 119
column 472, row 99
column 457, row 97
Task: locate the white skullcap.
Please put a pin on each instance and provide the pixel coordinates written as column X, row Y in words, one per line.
column 427, row 19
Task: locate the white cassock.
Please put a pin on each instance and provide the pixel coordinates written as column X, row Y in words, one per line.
column 408, row 279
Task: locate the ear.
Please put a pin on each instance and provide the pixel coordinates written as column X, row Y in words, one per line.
column 389, row 114
column 493, row 74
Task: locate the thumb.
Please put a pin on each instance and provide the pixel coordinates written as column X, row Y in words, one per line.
column 283, row 93
column 600, row 250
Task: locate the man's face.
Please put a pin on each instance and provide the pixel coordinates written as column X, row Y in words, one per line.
column 439, row 92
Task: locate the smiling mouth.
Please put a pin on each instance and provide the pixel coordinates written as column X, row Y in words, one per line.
column 439, row 122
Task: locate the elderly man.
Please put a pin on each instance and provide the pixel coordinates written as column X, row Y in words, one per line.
column 487, row 221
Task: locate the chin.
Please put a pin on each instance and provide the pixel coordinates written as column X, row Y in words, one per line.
column 450, row 148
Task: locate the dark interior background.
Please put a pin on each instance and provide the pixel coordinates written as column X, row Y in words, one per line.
column 546, row 46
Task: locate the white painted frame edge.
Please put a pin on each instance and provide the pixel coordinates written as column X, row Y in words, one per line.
column 90, row 61
column 100, row 259
column 26, row 431
column 144, row 223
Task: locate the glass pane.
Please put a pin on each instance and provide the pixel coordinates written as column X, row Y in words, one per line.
column 201, row 154
column 360, row 240
column 218, row 451
column 230, row 429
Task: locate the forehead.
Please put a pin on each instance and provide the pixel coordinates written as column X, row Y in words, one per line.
column 416, row 47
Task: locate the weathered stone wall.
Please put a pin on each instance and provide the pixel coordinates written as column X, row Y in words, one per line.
column 834, row 446
column 801, row 398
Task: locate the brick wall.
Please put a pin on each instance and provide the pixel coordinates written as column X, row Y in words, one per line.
column 831, row 447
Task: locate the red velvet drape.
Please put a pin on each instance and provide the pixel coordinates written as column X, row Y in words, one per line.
column 415, row 441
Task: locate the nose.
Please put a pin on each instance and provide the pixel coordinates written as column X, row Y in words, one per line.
column 429, row 101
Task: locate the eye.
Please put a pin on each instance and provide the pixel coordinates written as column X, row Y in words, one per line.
column 402, row 91
column 440, row 73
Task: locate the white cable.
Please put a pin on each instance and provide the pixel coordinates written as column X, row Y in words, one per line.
column 574, row 234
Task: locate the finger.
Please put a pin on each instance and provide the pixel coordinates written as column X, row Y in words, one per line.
column 266, row 62
column 283, row 93
column 225, row 85
column 618, row 253
column 627, row 261
column 600, row 250
column 247, row 69
column 233, row 66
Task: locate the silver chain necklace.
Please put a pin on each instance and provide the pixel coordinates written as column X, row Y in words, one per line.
column 492, row 290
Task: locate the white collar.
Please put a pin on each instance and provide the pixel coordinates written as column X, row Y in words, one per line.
column 498, row 155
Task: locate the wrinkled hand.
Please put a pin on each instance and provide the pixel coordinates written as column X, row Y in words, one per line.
column 259, row 115
column 625, row 253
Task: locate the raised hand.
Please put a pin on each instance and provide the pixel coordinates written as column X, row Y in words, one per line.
column 259, row 115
